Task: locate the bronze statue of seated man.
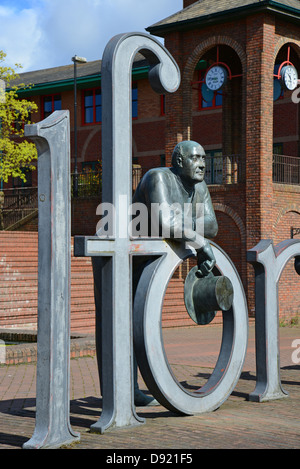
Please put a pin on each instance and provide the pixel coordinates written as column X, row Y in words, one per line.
column 182, row 187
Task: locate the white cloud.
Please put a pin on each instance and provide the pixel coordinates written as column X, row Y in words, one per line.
column 20, row 36
column 48, row 33
column 5, row 11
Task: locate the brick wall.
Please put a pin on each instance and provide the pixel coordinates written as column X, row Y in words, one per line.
column 287, row 215
column 83, row 216
column 248, row 124
column 19, row 284
column 19, row 288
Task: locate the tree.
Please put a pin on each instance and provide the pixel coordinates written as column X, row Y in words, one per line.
column 16, row 153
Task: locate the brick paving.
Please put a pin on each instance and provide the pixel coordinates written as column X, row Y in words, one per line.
column 192, row 353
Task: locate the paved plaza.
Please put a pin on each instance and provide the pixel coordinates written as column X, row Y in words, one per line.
column 192, row 354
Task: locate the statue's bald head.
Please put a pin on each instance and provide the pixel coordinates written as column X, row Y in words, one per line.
column 184, row 149
column 188, row 160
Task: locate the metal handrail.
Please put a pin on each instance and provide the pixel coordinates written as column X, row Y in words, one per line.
column 19, row 197
column 18, row 204
column 89, row 183
column 286, row 169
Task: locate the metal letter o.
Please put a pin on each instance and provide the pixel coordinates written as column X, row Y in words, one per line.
column 149, row 347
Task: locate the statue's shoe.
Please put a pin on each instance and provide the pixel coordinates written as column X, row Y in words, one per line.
column 142, row 400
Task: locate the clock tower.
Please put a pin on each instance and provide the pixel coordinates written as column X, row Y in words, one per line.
column 240, row 63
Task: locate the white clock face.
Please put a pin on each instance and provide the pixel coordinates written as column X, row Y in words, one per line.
column 289, row 77
column 215, row 78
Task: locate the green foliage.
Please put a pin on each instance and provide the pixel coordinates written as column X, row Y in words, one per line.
column 16, row 153
column 89, row 182
column 288, row 321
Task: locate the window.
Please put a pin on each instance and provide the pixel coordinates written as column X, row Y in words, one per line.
column 214, row 167
column 50, row 104
column 162, row 160
column 19, row 123
column 278, row 89
column 207, row 98
column 92, row 107
column 162, row 104
column 277, row 149
column 134, row 101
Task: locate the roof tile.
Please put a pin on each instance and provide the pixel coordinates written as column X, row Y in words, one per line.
column 204, row 8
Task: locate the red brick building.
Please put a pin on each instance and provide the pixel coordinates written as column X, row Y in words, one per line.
column 259, row 194
column 249, row 127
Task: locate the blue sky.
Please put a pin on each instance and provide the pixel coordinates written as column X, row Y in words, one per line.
column 47, row 33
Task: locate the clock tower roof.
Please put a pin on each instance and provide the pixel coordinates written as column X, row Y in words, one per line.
column 205, row 12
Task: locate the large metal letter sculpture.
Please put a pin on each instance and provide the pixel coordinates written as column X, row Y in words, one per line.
column 149, row 345
column 112, row 257
column 268, row 262
column 164, row 76
column 52, row 138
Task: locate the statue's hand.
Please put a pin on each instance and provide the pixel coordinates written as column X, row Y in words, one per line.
column 206, row 260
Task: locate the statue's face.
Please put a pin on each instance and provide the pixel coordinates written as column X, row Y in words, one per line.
column 193, row 165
